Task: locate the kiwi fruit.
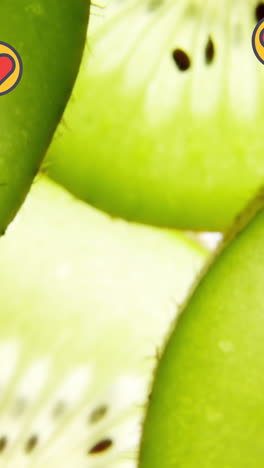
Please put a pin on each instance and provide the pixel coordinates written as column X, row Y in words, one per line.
column 207, row 407
column 50, row 59
column 165, row 123
column 85, row 302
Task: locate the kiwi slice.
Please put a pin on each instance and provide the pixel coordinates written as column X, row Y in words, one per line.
column 85, row 302
column 166, row 121
column 207, row 406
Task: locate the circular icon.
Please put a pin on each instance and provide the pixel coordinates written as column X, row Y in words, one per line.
column 258, row 41
column 11, row 68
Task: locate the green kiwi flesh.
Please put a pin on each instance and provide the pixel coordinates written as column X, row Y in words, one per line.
column 207, row 405
column 166, row 121
column 85, row 302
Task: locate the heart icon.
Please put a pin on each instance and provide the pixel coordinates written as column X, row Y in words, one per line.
column 262, row 38
column 7, row 67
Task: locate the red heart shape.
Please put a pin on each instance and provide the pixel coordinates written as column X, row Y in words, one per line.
column 262, row 38
column 7, row 67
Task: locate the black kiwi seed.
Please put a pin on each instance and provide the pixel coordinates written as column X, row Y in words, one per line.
column 3, row 443
column 209, row 51
column 101, row 446
column 31, row 443
column 181, row 59
column 97, row 414
column 259, row 11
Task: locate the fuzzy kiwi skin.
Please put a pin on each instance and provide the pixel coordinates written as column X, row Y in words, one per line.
column 49, row 36
column 152, row 143
column 207, row 406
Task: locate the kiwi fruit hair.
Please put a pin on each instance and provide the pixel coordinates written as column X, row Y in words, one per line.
column 165, row 123
column 85, row 302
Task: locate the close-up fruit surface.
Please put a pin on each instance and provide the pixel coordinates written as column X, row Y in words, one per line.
column 165, row 125
column 131, row 258
column 207, row 405
column 49, row 37
column 85, row 303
